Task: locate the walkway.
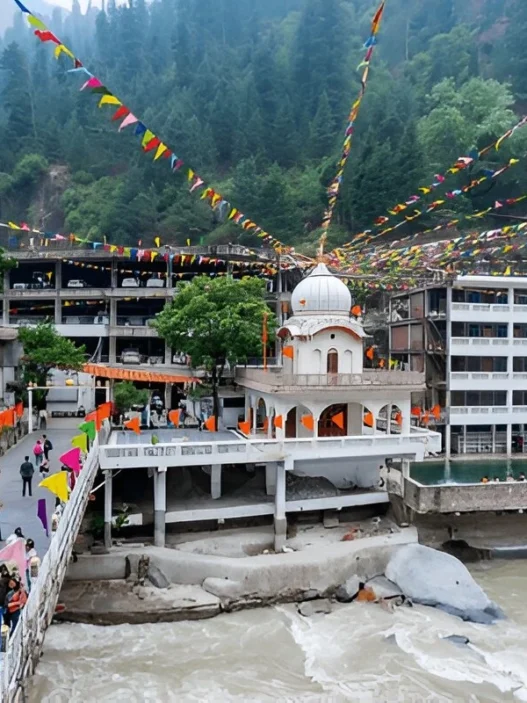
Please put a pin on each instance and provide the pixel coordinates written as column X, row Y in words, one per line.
column 22, row 512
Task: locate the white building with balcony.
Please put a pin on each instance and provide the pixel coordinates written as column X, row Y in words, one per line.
column 319, row 421
column 470, row 338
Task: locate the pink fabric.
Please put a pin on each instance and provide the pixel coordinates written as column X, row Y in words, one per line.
column 16, row 552
column 130, row 119
column 72, row 459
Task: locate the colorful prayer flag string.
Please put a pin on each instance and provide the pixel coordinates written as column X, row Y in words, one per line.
column 334, row 187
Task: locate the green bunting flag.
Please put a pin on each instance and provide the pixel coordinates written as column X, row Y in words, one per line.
column 89, row 429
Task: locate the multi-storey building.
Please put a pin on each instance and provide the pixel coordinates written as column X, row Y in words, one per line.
column 469, row 337
column 108, row 302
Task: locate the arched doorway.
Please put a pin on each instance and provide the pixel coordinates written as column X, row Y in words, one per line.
column 333, row 421
column 294, row 427
column 332, row 362
column 389, row 420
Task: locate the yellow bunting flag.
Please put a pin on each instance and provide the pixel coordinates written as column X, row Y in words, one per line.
column 35, row 22
column 157, row 242
column 147, row 137
column 81, row 442
column 109, row 100
column 160, row 151
column 57, row 484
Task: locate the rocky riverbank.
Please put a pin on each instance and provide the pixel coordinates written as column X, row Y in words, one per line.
column 195, row 581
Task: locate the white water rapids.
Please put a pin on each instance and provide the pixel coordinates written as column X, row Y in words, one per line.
column 358, row 653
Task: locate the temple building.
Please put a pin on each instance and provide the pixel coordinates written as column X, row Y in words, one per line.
column 317, row 429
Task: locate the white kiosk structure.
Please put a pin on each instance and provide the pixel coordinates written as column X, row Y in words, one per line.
column 320, row 414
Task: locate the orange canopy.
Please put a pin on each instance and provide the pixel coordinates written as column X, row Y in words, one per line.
column 135, row 375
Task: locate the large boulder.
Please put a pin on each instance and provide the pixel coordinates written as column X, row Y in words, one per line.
column 437, row 579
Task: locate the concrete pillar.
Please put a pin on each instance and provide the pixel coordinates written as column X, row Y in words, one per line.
column 160, row 507
column 448, row 441
column 113, row 312
column 112, row 349
column 58, row 310
column 255, row 419
column 280, row 520
column 113, row 274
column 493, row 430
column 270, row 478
column 168, row 355
column 29, row 411
column 270, row 421
column 389, row 419
column 58, row 275
column 108, row 498
column 170, row 271
column 5, row 311
column 215, row 481
column 509, row 440
column 406, row 468
column 464, row 439
column 168, row 397
column 7, row 282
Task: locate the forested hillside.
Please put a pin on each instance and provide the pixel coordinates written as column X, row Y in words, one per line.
column 254, row 95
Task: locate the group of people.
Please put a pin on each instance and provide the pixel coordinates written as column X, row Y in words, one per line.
column 13, row 594
column 510, row 478
column 41, row 452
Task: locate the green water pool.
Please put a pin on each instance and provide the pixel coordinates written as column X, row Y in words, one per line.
column 431, row 473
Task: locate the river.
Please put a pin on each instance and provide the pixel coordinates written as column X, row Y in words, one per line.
column 358, row 653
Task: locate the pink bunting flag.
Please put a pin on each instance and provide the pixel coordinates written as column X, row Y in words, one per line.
column 16, row 551
column 72, row 459
column 131, row 119
column 92, row 82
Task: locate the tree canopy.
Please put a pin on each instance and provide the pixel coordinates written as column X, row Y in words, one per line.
column 44, row 349
column 217, row 321
column 254, row 95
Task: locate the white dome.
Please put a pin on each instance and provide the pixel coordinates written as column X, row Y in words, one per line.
column 321, row 292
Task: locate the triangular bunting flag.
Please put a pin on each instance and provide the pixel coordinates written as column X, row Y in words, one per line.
column 174, row 416
column 72, row 458
column 57, row 484
column 245, row 427
column 89, row 429
column 338, row 419
column 279, row 422
column 210, row 424
column 80, row 442
column 134, row 425
column 308, row 421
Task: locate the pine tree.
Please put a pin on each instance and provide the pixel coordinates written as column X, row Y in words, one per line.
column 321, row 132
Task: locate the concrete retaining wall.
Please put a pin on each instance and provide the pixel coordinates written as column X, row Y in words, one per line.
column 465, row 498
column 268, row 576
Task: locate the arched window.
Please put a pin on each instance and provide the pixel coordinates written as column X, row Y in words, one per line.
column 333, row 361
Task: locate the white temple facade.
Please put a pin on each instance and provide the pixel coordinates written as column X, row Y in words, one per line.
column 320, row 414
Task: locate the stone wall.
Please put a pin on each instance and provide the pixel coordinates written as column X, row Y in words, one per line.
column 465, row 498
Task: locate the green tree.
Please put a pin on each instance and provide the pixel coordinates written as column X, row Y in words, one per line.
column 216, row 322
column 43, row 350
column 125, row 395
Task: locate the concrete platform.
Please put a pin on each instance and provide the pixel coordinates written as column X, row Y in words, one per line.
column 119, row 602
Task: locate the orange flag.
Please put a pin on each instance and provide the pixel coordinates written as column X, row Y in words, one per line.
column 245, row 427
column 94, row 417
column 19, row 409
column 279, row 421
column 308, row 421
column 211, row 424
column 416, row 412
column 370, row 353
column 338, row 419
column 289, row 352
column 134, row 424
column 174, row 416
column 426, row 418
column 436, row 412
column 399, row 418
column 104, row 411
column 368, row 419
column 356, row 310
column 266, row 424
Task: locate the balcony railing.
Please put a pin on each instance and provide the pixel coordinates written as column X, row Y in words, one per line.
column 476, row 376
column 483, row 341
column 276, row 378
column 480, row 307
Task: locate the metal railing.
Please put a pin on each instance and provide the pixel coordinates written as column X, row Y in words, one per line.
column 277, row 378
column 24, row 647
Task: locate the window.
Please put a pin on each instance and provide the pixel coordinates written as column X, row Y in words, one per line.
column 400, row 338
column 333, row 361
column 459, row 363
column 519, row 397
column 479, row 398
column 234, row 402
column 519, row 364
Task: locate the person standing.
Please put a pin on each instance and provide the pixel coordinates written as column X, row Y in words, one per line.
column 48, row 447
column 15, row 600
column 17, row 534
column 43, row 419
column 4, row 589
column 26, row 471
column 38, row 452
